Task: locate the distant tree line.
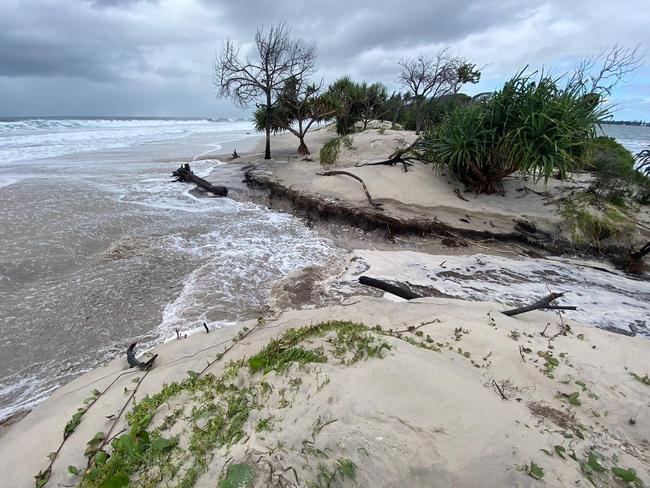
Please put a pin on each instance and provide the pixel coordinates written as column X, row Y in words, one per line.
column 641, row 123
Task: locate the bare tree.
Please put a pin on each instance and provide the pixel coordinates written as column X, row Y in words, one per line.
column 277, row 58
column 435, row 76
column 599, row 74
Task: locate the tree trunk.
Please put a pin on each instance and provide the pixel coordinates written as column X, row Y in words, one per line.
column 267, row 148
column 184, row 173
column 303, row 150
column 418, row 121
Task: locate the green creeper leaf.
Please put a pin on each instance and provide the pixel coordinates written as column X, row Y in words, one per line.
column 553, row 362
column 97, row 439
column 92, row 474
column 559, row 450
column 238, row 476
column 162, row 444
column 535, row 471
column 627, row 475
column 100, row 458
column 256, row 363
column 115, row 481
column 43, row 477
column 73, row 470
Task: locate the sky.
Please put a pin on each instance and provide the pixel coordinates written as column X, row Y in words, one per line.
column 155, row 57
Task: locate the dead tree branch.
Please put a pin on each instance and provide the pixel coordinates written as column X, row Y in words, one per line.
column 134, row 362
column 184, row 173
column 401, row 156
column 543, row 303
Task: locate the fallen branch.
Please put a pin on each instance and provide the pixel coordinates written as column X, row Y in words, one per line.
column 365, row 188
column 400, row 291
column 135, row 363
column 185, row 174
column 401, row 156
column 543, row 303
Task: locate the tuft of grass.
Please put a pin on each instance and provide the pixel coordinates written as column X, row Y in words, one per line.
column 265, row 424
column 591, row 225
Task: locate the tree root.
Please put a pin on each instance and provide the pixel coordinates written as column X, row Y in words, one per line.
column 365, row 188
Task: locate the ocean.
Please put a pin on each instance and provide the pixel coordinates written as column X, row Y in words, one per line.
column 99, row 247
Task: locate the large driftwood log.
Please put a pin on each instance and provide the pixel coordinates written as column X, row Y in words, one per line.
column 400, row 291
column 365, row 188
column 185, row 174
column 543, row 303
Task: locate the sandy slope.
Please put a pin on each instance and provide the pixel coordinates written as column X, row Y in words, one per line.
column 410, row 416
column 422, row 193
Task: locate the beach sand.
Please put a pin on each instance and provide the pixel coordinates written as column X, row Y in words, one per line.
column 426, row 412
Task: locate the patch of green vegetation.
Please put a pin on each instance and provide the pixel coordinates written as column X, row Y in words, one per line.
column 277, row 359
column 329, row 152
column 591, row 223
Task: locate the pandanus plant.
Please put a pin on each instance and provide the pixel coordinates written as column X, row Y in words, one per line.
column 643, row 160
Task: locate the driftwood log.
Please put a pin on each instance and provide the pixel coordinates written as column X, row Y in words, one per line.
column 543, row 303
column 399, row 290
column 184, row 173
column 134, row 362
column 365, row 188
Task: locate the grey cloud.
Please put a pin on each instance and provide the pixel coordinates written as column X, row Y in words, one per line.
column 148, row 56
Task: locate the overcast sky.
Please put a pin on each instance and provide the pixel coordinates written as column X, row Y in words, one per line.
column 154, row 57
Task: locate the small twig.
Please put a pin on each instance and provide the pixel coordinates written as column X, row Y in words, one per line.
column 205, row 326
column 460, row 195
column 500, row 390
column 544, row 331
column 521, row 353
column 414, row 328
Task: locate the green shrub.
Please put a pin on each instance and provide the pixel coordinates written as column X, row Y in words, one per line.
column 536, row 127
column 613, row 167
column 329, row 152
